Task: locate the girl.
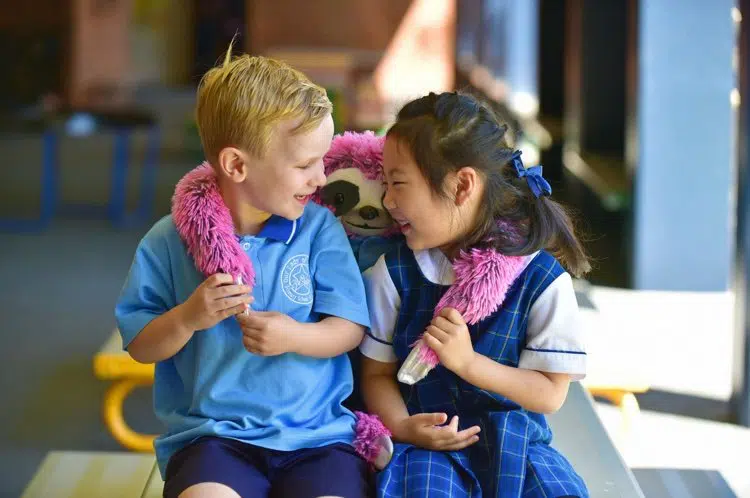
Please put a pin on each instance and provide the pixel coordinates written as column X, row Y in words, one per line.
column 475, row 283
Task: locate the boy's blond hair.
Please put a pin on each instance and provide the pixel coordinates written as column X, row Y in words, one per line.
column 241, row 101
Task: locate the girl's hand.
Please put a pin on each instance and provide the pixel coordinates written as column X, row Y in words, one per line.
column 217, row 298
column 267, row 333
column 425, row 430
column 448, row 335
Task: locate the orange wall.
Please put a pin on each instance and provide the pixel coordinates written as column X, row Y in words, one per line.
column 353, row 24
column 100, row 50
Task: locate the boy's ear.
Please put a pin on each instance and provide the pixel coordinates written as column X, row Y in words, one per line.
column 233, row 164
column 467, row 184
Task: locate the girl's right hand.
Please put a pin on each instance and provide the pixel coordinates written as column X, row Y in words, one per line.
column 425, row 430
column 217, row 298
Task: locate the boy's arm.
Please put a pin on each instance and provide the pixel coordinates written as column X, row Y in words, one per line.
column 329, row 337
column 339, row 296
column 145, row 311
column 162, row 338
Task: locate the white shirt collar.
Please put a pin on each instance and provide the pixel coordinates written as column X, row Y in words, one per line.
column 436, row 267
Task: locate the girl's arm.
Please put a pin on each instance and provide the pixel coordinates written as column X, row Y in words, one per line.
column 425, row 430
column 381, row 394
column 540, row 392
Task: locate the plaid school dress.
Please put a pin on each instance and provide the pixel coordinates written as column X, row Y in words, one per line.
column 512, row 458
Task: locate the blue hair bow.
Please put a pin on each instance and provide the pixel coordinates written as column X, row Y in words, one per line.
column 538, row 185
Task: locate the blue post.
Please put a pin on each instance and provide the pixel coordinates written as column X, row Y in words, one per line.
column 148, row 177
column 682, row 210
column 119, row 175
column 522, row 39
column 50, row 177
column 741, row 354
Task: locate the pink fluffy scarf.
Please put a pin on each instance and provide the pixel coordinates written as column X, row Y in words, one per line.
column 205, row 225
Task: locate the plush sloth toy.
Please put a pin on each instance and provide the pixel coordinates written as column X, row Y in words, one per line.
column 354, row 192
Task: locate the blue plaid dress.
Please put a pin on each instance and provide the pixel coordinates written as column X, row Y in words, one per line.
column 513, row 457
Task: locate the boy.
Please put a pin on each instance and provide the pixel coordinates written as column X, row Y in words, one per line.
column 251, row 400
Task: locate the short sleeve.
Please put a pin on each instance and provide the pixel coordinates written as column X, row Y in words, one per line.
column 148, row 290
column 339, row 290
column 555, row 341
column 384, row 304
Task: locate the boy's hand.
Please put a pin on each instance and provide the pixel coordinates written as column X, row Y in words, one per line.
column 267, row 333
column 425, row 431
column 448, row 335
column 217, row 298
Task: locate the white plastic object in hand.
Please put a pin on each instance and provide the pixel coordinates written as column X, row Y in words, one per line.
column 414, row 368
column 238, row 280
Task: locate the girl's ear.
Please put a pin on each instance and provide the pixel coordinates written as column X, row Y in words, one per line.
column 467, row 184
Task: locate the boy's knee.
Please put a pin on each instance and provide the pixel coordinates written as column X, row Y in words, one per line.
column 209, row 490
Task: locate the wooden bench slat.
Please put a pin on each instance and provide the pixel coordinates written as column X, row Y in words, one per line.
column 155, row 485
column 83, row 474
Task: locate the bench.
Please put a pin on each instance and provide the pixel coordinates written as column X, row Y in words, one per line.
column 579, row 434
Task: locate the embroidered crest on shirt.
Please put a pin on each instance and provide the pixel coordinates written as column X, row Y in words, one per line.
column 295, row 280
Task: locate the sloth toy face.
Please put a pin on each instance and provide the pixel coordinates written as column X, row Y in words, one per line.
column 354, row 189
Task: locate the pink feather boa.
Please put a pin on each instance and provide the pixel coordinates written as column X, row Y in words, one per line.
column 205, row 225
column 483, row 277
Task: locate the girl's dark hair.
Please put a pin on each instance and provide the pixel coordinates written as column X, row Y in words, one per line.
column 447, row 132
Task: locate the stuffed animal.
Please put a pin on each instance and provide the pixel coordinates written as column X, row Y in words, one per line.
column 354, row 192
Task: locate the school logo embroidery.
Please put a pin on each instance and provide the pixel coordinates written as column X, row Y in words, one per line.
column 295, row 280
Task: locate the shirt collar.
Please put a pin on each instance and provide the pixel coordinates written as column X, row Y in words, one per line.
column 437, row 268
column 277, row 228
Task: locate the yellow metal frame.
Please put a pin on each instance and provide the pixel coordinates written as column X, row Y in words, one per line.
column 126, row 374
column 621, row 396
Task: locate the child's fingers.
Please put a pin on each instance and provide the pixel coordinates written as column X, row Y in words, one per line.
column 235, row 310
column 453, row 426
column 459, row 445
column 433, row 343
column 223, row 291
column 440, row 335
column 468, row 433
column 442, row 323
column 231, row 302
column 429, row 419
column 452, row 315
column 250, row 344
column 218, row 279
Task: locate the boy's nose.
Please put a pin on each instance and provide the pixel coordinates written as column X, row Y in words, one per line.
column 320, row 176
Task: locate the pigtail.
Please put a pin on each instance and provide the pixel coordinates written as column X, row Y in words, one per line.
column 552, row 228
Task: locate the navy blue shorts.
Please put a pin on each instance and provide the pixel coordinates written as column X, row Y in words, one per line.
column 251, row 471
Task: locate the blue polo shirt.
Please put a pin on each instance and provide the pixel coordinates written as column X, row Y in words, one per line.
column 213, row 386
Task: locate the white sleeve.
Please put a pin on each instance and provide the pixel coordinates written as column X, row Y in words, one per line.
column 555, row 341
column 384, row 303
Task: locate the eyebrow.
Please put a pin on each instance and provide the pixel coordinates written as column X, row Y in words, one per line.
column 396, row 171
column 309, row 160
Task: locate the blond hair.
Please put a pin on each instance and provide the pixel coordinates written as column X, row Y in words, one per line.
column 241, row 101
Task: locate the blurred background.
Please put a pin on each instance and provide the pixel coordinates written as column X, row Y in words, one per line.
column 636, row 108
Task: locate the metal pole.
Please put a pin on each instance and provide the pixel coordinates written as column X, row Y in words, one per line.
column 741, row 363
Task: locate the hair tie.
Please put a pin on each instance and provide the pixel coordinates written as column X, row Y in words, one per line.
column 538, row 185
